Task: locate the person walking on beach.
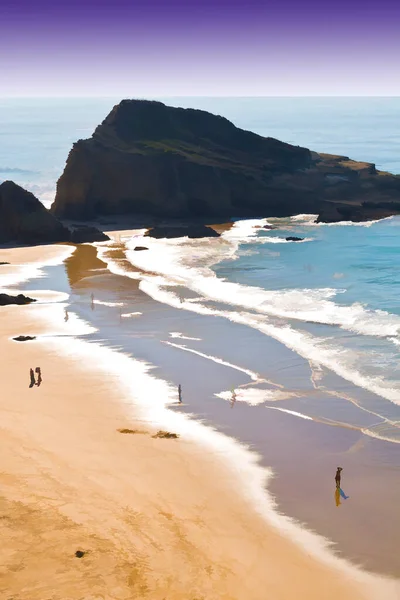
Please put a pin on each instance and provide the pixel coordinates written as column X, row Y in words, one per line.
column 66, row 315
column 180, row 393
column 92, row 298
column 338, row 477
column 39, row 372
column 32, row 376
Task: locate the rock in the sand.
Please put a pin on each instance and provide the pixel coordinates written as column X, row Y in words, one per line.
column 165, row 434
column 131, row 431
column 24, row 338
column 138, row 248
column 190, row 231
column 292, row 238
column 6, row 299
column 85, row 234
column 4, row 263
column 79, row 553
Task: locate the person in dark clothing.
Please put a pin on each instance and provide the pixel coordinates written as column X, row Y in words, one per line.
column 338, row 477
column 32, row 376
column 39, row 372
column 180, row 393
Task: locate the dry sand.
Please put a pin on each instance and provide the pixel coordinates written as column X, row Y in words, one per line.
column 157, row 518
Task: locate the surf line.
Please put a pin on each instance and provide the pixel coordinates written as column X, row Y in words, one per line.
column 344, row 396
column 254, row 376
column 291, row 412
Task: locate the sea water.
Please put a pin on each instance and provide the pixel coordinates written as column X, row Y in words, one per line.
column 291, row 348
column 331, row 299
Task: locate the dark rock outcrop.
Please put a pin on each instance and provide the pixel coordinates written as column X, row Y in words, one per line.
column 139, row 248
column 84, row 234
column 293, row 238
column 4, row 263
column 191, row 231
column 24, row 219
column 6, row 299
column 151, row 159
column 24, row 338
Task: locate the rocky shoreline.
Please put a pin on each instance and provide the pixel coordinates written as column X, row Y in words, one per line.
column 166, row 168
column 147, row 158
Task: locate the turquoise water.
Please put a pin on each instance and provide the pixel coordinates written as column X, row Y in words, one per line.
column 332, row 299
column 308, row 334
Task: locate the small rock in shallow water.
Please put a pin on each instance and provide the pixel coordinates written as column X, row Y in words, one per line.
column 294, row 239
column 6, row 299
column 24, row 338
column 79, row 554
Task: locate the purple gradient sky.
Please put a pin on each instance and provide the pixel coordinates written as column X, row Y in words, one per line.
column 209, row 47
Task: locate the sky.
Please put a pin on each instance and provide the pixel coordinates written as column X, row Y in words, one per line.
column 165, row 48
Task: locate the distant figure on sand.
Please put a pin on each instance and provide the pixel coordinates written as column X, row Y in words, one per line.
column 180, row 393
column 233, row 397
column 92, row 303
column 66, row 315
column 39, row 372
column 338, row 477
column 32, row 376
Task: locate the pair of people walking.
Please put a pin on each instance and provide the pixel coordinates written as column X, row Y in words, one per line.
column 33, row 381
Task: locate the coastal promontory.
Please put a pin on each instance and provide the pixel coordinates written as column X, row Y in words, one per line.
column 24, row 220
column 147, row 158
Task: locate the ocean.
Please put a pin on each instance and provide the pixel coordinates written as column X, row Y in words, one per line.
column 290, row 347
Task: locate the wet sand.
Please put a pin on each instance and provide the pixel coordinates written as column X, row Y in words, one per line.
column 155, row 517
column 303, row 454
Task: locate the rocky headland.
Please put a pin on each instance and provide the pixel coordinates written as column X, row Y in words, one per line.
column 24, row 220
column 147, row 158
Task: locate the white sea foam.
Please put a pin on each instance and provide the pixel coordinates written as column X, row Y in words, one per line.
column 151, row 397
column 11, row 275
column 344, row 363
column 169, row 263
column 178, row 335
column 104, row 303
column 132, row 314
column 255, row 396
column 254, row 376
column 189, row 264
column 291, row 412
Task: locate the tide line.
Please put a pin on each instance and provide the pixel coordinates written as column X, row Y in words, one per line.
column 254, row 376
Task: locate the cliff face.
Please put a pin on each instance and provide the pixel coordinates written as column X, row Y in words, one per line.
column 148, row 158
column 25, row 220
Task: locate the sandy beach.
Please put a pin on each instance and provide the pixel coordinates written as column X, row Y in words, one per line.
column 155, row 518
